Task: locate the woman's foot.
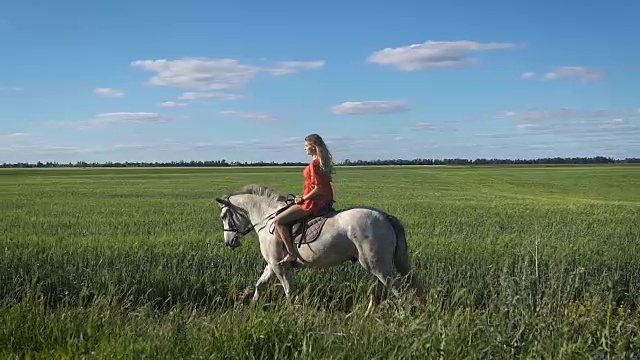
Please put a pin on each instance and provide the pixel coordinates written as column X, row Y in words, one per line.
column 288, row 258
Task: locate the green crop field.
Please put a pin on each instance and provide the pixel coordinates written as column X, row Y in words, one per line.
column 518, row 261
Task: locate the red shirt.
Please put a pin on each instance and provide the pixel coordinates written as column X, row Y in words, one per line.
column 314, row 176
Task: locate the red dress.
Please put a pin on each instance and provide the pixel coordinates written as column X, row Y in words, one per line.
column 314, row 176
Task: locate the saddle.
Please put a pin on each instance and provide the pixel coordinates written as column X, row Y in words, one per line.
column 307, row 229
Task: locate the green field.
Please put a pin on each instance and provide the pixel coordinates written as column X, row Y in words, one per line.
column 518, row 261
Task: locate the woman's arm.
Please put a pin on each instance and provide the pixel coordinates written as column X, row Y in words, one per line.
column 313, row 193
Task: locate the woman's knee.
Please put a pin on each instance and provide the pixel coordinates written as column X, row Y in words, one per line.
column 280, row 221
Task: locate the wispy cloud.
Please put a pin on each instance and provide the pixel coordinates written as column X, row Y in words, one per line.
column 198, row 73
column 11, row 88
column 228, row 145
column 210, row 73
column 209, row 95
column 290, row 67
column 587, row 127
column 433, row 54
column 15, row 135
column 199, row 97
column 550, row 114
column 534, row 126
column 172, row 104
column 423, row 126
column 108, row 92
column 259, row 117
column 575, row 72
column 9, row 141
column 302, row 64
column 527, row 75
column 357, row 146
column 20, row 144
column 373, row 107
column 117, row 118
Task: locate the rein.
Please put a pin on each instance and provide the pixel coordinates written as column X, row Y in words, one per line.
column 234, row 226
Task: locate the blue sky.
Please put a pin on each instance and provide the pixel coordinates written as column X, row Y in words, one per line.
column 246, row 81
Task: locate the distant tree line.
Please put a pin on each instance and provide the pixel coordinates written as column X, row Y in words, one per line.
column 347, row 162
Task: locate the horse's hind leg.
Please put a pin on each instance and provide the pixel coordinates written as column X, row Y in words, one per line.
column 375, row 295
column 410, row 276
column 385, row 276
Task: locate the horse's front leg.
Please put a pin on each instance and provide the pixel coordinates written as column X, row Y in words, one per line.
column 262, row 282
column 285, row 274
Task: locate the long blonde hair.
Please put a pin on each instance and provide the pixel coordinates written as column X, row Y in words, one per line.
column 324, row 155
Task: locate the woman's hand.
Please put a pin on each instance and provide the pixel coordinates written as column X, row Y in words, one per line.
column 298, row 200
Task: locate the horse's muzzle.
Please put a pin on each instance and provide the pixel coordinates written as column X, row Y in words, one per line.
column 234, row 243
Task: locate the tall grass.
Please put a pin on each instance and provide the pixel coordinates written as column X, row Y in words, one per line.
column 525, row 261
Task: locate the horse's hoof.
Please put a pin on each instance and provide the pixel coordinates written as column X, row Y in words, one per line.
column 245, row 296
column 349, row 315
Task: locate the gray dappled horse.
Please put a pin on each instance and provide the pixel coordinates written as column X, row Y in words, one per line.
column 370, row 236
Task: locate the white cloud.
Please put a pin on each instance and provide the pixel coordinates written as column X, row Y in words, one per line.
column 212, row 74
column 128, row 146
column 584, row 128
column 198, row 73
column 23, row 144
column 117, row 117
column 617, row 121
column 108, row 92
column 527, row 75
column 209, row 95
column 172, row 104
column 359, row 146
column 260, row 117
column 374, row 107
column 302, row 64
column 229, row 145
column 422, row 126
column 582, row 73
column 43, row 148
column 13, row 139
column 290, row 67
column 57, row 148
column 10, row 88
column 598, row 129
column 579, row 124
column 550, row 114
column 282, row 71
column 433, row 54
column 528, row 126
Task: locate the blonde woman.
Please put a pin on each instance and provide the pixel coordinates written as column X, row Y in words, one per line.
column 316, row 194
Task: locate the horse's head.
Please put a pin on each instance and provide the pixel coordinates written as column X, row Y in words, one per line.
column 241, row 208
column 234, row 220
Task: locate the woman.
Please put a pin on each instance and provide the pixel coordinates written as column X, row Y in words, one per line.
column 316, row 194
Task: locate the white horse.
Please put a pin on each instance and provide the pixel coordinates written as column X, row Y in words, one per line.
column 370, row 236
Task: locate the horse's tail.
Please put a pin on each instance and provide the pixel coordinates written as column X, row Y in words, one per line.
column 401, row 254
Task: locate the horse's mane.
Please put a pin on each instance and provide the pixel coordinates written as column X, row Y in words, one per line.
column 260, row 190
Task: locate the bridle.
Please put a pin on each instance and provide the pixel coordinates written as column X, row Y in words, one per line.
column 232, row 221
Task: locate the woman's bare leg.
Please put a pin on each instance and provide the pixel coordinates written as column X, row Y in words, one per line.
column 293, row 213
